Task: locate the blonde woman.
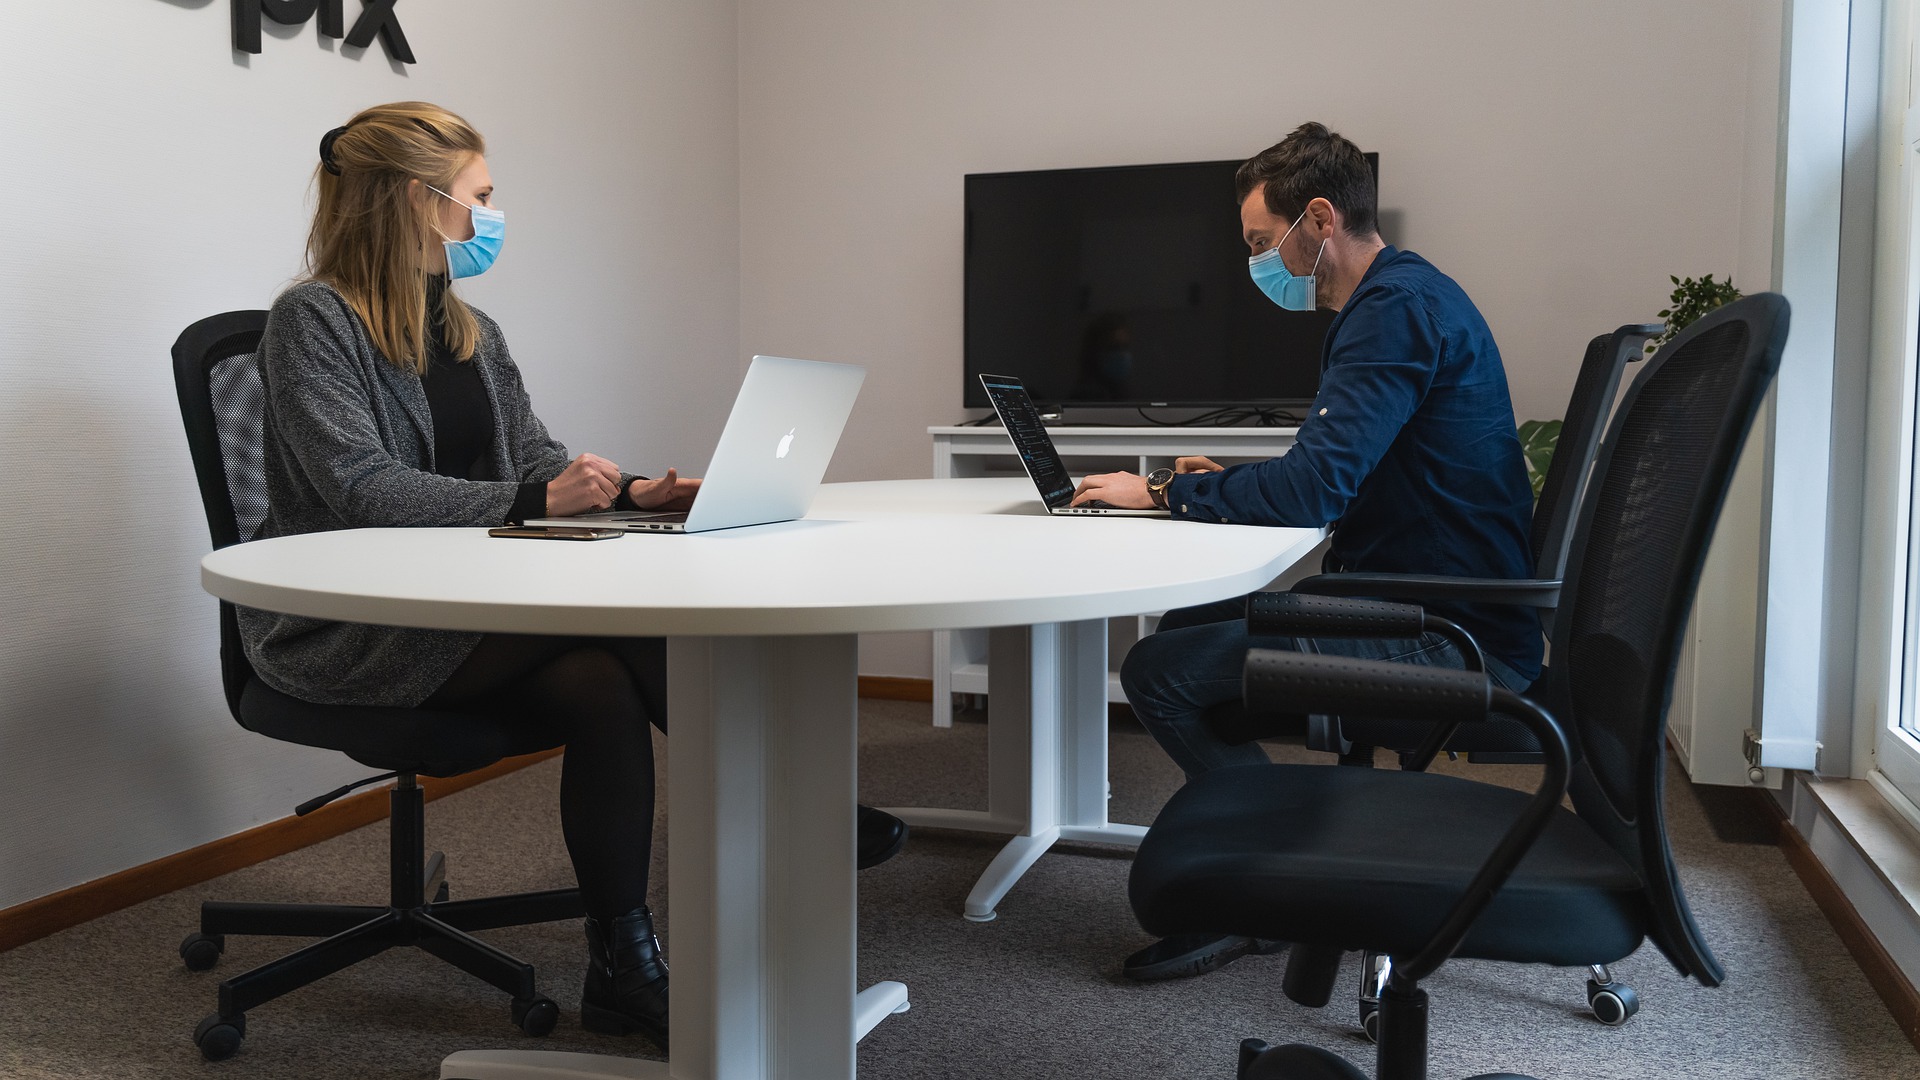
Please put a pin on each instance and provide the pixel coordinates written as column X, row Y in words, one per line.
column 390, row 402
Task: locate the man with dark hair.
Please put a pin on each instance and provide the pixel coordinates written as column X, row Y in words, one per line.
column 1408, row 452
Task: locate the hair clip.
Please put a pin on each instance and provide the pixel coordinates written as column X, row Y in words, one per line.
column 326, row 149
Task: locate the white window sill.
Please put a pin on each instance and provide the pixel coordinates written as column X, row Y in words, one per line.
column 1868, row 837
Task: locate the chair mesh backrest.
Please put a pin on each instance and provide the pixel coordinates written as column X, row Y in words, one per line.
column 1585, row 413
column 238, row 398
column 221, row 400
column 1657, row 492
column 218, row 381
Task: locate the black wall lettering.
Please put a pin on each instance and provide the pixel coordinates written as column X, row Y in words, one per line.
column 288, row 12
column 378, row 17
column 332, row 23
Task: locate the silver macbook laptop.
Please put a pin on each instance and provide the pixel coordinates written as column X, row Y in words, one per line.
column 1029, row 434
column 775, row 448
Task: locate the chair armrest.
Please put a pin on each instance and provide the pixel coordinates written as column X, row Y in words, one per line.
column 1293, row 614
column 1277, row 680
column 1314, row 683
column 1297, row 615
column 1520, row 592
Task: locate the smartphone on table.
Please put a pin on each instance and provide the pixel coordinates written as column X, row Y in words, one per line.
column 555, row 532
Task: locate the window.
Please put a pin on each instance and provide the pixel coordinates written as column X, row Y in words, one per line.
column 1889, row 686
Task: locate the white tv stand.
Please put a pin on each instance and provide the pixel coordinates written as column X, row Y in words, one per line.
column 960, row 656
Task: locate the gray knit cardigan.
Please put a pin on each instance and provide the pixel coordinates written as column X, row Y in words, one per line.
column 348, row 443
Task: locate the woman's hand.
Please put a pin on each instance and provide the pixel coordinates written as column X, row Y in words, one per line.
column 669, row 492
column 589, row 482
column 1196, row 464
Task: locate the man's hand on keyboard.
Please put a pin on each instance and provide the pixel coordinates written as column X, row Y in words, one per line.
column 1119, row 490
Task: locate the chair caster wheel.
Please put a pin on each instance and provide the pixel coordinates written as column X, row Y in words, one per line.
column 536, row 1016
column 201, row 951
column 219, row 1036
column 1250, row 1051
column 1370, row 1022
column 1613, row 1004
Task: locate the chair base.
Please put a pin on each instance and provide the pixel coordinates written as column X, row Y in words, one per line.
column 1294, row 1061
column 1298, row 1061
column 1612, row 1002
column 1401, row 1053
column 353, row 932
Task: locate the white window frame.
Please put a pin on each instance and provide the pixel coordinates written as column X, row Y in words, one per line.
column 1887, row 679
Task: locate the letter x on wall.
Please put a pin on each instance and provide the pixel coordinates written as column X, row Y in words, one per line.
column 377, row 17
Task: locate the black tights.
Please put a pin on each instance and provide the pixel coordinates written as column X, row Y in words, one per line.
column 599, row 694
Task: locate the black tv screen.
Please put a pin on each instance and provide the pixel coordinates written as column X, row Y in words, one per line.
column 1126, row 286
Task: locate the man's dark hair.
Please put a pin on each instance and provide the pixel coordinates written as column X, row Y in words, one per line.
column 1308, row 164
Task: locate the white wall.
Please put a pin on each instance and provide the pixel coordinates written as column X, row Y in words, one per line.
column 150, row 178
column 1558, row 160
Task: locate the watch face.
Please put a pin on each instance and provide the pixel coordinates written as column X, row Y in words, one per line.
column 1160, row 478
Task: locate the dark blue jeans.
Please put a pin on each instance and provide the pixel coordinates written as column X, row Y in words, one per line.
column 1195, row 660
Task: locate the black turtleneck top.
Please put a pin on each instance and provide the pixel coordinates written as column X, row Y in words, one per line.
column 462, row 415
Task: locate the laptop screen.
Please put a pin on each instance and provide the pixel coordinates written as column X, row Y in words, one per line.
column 1029, row 435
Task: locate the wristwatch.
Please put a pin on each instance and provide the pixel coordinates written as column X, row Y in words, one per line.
column 1157, row 482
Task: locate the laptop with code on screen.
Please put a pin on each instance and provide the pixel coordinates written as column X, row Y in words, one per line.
column 1021, row 418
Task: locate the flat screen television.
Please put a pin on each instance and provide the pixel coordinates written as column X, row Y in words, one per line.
column 1127, row 286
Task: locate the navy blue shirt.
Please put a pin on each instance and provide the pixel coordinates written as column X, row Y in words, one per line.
column 1408, row 451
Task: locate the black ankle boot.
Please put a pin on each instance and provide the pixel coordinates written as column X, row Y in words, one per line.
column 626, row 979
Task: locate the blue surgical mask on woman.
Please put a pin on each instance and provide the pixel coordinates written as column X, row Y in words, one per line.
column 1293, row 292
column 471, row 258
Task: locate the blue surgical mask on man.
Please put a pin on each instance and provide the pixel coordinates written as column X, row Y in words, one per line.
column 471, row 258
column 1293, row 292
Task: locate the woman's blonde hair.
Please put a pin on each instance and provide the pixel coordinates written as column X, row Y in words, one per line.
column 372, row 239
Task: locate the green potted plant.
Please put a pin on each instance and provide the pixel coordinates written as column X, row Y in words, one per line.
column 1692, row 298
column 1537, row 440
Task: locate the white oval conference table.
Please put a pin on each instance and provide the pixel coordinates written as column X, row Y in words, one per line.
column 762, row 624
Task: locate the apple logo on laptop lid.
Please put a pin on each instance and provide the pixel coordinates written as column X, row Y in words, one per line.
column 786, row 443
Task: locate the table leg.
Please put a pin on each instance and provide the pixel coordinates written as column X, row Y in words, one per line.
column 1046, row 753
column 943, row 678
column 761, row 916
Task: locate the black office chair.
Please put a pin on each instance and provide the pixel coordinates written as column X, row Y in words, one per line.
column 1494, row 739
column 1421, row 867
column 220, row 389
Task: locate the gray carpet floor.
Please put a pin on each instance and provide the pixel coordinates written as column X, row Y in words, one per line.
column 1034, row 994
